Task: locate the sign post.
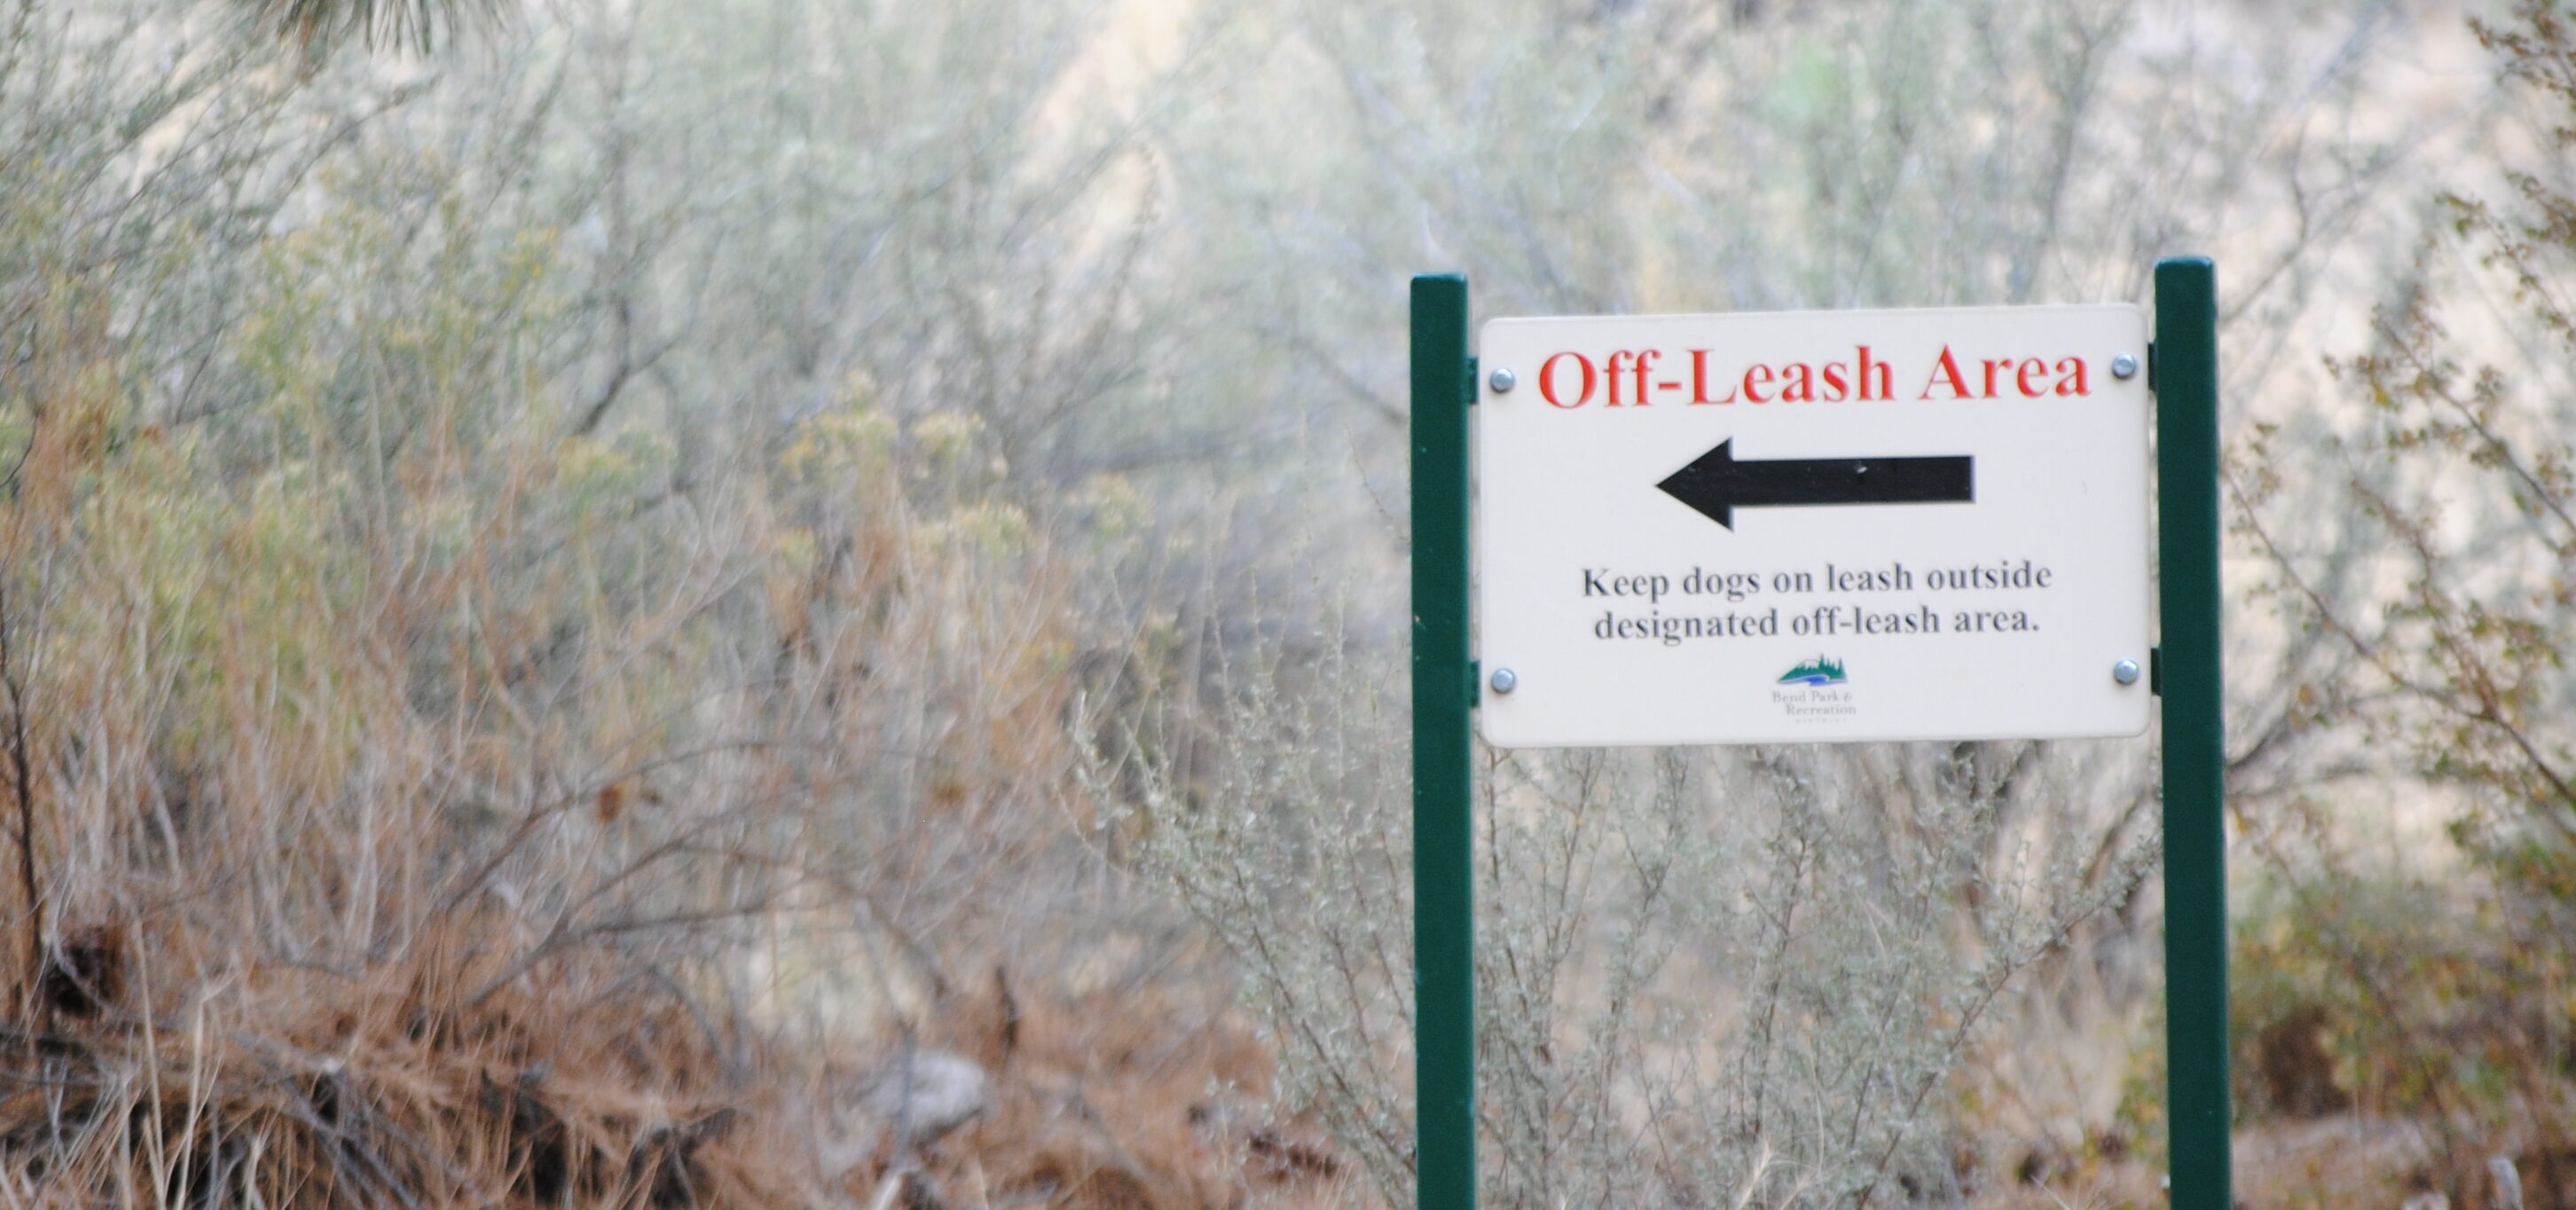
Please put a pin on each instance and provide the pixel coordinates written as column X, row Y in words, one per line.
column 1821, row 527
column 1444, row 688
column 2195, row 735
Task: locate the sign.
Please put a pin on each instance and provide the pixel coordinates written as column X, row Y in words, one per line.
column 1813, row 527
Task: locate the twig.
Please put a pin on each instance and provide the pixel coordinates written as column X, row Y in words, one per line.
column 22, row 786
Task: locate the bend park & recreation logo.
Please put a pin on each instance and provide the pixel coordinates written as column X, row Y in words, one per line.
column 1822, row 670
column 1816, row 691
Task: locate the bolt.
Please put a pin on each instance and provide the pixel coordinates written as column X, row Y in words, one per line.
column 2124, row 367
column 1503, row 680
column 2125, row 672
column 1502, row 380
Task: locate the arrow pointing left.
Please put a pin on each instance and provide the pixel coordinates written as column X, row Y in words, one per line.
column 1716, row 484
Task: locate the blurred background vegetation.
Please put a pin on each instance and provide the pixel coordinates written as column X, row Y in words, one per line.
column 762, row 602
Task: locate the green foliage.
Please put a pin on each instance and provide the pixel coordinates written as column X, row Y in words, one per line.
column 637, row 508
column 2462, row 474
column 2441, row 984
column 448, row 577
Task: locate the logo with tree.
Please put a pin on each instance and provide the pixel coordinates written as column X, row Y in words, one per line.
column 1822, row 670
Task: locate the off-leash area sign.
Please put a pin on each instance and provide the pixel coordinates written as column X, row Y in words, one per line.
column 1821, row 526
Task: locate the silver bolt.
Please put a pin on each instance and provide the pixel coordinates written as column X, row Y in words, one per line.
column 1503, row 680
column 1502, row 380
column 2125, row 672
column 2124, row 367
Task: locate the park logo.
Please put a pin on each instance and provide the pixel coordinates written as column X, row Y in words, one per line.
column 1822, row 670
column 1816, row 691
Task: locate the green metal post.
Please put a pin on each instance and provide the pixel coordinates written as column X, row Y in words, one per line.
column 1444, row 976
column 2195, row 734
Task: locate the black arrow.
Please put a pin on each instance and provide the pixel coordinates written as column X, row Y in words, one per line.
column 1716, row 484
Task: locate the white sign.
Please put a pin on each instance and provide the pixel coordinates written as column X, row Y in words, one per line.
column 1813, row 527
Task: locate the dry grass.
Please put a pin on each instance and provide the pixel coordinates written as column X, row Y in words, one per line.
column 1145, row 1097
column 2342, row 1160
column 284, row 1087
column 590, row 1086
